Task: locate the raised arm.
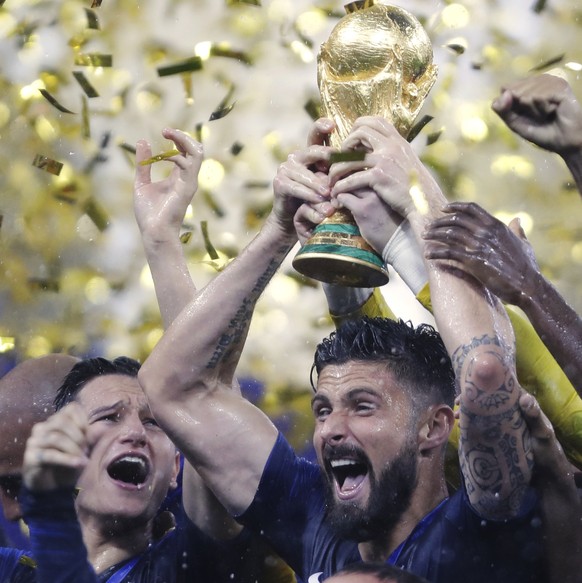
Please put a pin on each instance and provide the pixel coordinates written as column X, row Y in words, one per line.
column 503, row 260
column 544, row 110
column 494, row 452
column 159, row 210
column 55, row 456
column 227, row 438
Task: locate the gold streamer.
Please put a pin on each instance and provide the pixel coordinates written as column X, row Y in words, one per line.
column 54, row 102
column 93, row 60
column 89, row 90
column 186, row 66
column 212, row 253
column 47, row 164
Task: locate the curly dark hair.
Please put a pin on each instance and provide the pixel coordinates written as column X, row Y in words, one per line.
column 415, row 355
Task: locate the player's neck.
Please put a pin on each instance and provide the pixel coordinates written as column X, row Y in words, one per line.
column 106, row 548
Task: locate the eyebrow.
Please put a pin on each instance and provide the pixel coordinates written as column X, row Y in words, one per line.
column 105, row 409
column 349, row 396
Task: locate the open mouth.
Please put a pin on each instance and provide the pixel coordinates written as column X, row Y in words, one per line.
column 348, row 473
column 130, row 469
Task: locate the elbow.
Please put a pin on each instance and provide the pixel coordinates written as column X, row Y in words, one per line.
column 490, row 373
column 156, row 383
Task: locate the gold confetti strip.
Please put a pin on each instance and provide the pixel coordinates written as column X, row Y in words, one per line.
column 221, row 112
column 434, row 137
column 52, row 285
column 69, row 193
column 93, row 60
column 185, row 237
column 223, row 50
column 23, row 559
column 86, row 126
column 47, row 164
column 257, row 184
column 236, row 148
column 97, row 214
column 127, row 147
column 351, row 156
column 418, row 127
column 211, row 202
column 212, row 253
column 250, row 2
column 54, row 102
column 198, row 132
column 92, row 19
column 89, row 90
column 313, row 108
column 547, row 64
column 188, row 87
column 186, row 66
column 456, row 47
column 100, row 157
column 159, row 157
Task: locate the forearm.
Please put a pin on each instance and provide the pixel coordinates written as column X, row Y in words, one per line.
column 204, row 510
column 558, row 325
column 479, row 339
column 56, row 539
column 206, row 338
column 172, row 281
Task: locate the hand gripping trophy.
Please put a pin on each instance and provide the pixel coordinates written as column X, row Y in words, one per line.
column 377, row 61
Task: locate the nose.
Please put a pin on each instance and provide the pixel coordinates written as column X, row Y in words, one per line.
column 133, row 430
column 333, row 429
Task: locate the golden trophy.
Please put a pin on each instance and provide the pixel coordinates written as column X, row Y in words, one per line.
column 377, row 61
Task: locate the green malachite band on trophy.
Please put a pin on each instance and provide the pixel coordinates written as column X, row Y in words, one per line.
column 337, row 228
column 353, row 252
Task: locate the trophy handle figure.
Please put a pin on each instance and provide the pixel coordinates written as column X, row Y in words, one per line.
column 377, row 61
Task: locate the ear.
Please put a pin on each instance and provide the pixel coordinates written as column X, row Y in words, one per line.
column 435, row 430
column 177, row 467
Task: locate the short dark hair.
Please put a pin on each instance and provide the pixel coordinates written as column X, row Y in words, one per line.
column 88, row 369
column 383, row 572
column 415, row 355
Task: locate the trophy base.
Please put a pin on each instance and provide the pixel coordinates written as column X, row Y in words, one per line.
column 339, row 269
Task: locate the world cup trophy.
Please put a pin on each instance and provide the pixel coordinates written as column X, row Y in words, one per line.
column 377, row 61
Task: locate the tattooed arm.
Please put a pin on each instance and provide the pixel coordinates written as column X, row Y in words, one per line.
column 494, row 445
column 224, row 436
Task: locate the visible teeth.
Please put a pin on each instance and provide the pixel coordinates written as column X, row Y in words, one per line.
column 132, row 459
column 340, row 463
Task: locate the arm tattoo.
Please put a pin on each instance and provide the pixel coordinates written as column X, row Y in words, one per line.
column 495, row 449
column 228, row 342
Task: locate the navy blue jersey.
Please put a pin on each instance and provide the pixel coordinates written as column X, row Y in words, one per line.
column 184, row 555
column 451, row 545
column 16, row 567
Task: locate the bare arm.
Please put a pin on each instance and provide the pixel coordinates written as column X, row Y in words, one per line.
column 227, row 438
column 160, row 208
column 543, row 110
column 494, row 451
column 503, row 260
